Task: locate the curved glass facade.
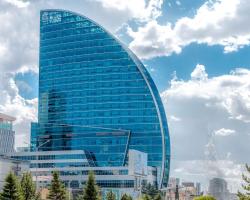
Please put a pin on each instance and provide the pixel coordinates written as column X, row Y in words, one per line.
column 95, row 95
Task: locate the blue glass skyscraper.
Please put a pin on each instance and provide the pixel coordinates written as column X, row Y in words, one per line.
column 96, row 95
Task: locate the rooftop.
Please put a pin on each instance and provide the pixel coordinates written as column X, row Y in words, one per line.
column 6, row 117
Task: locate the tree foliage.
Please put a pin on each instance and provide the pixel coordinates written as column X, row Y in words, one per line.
column 146, row 197
column 204, row 198
column 126, row 197
column 150, row 191
column 57, row 189
column 246, row 187
column 12, row 189
column 28, row 187
column 110, row 196
column 90, row 191
column 158, row 197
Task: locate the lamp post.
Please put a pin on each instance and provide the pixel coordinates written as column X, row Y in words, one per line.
column 37, row 147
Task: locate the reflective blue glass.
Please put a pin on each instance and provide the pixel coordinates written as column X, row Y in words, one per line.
column 96, row 95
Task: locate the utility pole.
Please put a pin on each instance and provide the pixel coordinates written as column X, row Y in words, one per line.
column 177, row 192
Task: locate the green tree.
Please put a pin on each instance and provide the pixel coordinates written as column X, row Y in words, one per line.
column 245, row 187
column 150, row 190
column 157, row 197
column 146, row 197
column 90, row 191
column 204, row 198
column 28, row 187
column 38, row 196
column 126, row 197
column 57, row 189
column 110, row 196
column 12, row 189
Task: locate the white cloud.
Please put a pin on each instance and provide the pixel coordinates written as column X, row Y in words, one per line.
column 219, row 22
column 204, row 170
column 18, row 38
column 140, row 9
column 13, row 104
column 229, row 92
column 174, row 118
column 154, row 40
column 224, row 132
column 178, row 3
column 18, row 3
column 205, row 105
column 18, row 53
column 199, row 73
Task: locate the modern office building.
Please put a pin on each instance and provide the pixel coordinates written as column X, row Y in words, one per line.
column 95, row 95
column 7, row 135
column 74, row 166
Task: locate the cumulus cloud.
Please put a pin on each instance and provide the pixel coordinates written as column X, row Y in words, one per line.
column 178, row 3
column 219, row 22
column 224, row 132
column 199, row 73
column 13, row 104
column 18, row 41
column 154, row 40
column 197, row 170
column 18, row 3
column 140, row 9
column 174, row 118
column 18, row 54
column 210, row 108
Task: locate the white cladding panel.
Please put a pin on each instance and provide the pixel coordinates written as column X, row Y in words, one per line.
column 137, row 162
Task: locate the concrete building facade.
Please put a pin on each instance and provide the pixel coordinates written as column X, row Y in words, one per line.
column 7, row 135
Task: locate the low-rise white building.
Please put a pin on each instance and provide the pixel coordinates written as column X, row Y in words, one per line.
column 11, row 165
column 74, row 166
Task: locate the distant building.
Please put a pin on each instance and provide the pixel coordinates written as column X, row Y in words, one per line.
column 173, row 182
column 187, row 184
column 11, row 165
column 184, row 191
column 218, row 189
column 7, row 135
column 198, row 189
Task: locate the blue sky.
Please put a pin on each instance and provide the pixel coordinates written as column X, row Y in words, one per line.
column 217, row 63
column 197, row 52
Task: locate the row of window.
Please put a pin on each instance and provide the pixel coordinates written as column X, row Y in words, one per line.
column 69, row 32
column 53, row 165
column 89, row 45
column 54, row 88
column 89, row 141
column 64, row 72
column 135, row 127
column 125, row 62
column 5, row 125
column 92, row 38
column 52, row 157
column 81, row 51
column 92, row 76
column 109, row 113
column 97, row 102
column 65, row 24
column 83, row 58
